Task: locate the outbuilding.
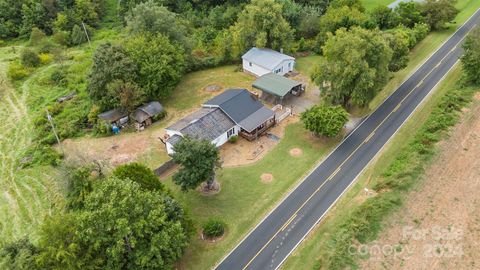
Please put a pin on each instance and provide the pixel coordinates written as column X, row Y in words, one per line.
column 116, row 116
column 146, row 114
column 278, row 87
column 261, row 61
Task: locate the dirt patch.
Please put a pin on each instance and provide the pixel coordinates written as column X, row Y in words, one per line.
column 477, row 96
column 245, row 152
column 266, row 177
column 296, row 152
column 438, row 226
column 204, row 190
column 213, row 88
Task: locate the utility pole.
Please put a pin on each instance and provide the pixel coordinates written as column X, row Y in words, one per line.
column 50, row 119
column 86, row 34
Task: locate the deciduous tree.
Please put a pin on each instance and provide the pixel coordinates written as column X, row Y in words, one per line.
column 438, row 12
column 355, row 66
column 325, row 120
column 140, row 174
column 471, row 57
column 198, row 160
column 262, row 24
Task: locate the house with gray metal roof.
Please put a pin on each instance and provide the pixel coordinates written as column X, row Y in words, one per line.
column 234, row 112
column 261, row 61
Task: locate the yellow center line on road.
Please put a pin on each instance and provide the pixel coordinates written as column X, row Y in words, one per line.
column 285, row 225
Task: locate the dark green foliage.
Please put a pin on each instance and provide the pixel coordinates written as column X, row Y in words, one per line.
column 336, row 18
column 233, row 139
column 325, row 120
column 471, row 57
column 161, row 64
column 80, row 183
column 262, row 24
column 364, row 56
column 409, row 13
column 125, row 95
column 214, row 228
column 140, row 174
column 110, row 63
column 29, row 58
column 58, row 77
column 198, row 161
column 399, row 43
column 156, row 19
column 438, row 12
column 384, row 17
column 19, row 255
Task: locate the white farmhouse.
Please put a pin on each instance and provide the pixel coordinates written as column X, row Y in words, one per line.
column 234, row 112
column 263, row 61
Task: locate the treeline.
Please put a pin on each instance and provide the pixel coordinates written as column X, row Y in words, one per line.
column 126, row 220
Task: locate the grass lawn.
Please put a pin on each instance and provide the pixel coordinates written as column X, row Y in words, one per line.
column 371, row 4
column 244, row 199
column 307, row 63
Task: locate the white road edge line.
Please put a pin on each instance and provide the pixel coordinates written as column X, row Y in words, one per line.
column 325, row 158
column 368, row 164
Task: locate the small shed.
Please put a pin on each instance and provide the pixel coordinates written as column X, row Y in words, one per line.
column 278, row 86
column 115, row 116
column 145, row 115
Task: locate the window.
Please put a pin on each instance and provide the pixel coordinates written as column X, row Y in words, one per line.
column 230, row 132
column 250, row 64
column 289, row 65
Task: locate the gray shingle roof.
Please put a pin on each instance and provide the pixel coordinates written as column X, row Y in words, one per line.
column 204, row 124
column 266, row 58
column 242, row 107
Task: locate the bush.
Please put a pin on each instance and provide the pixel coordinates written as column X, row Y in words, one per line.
column 214, row 228
column 29, row 58
column 16, row 71
column 45, row 58
column 233, row 139
column 325, row 120
column 140, row 174
column 61, row 38
column 58, row 77
column 46, row 47
column 36, row 36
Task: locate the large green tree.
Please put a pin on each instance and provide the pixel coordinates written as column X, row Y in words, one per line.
column 198, row 160
column 121, row 226
column 409, row 13
column 161, row 64
column 398, row 41
column 262, row 24
column 336, row 18
column 384, row 17
column 110, row 63
column 471, row 57
column 355, row 66
column 154, row 18
column 438, row 12
column 141, row 174
column 325, row 120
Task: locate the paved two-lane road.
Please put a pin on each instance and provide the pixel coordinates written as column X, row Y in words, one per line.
column 272, row 241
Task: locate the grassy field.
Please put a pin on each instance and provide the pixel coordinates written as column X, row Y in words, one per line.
column 371, row 4
column 319, row 244
column 244, row 199
column 306, row 64
column 27, row 194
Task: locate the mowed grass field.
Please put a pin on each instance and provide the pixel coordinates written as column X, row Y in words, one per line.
column 371, row 4
column 27, row 195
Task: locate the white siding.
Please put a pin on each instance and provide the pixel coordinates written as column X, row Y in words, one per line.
column 284, row 67
column 255, row 69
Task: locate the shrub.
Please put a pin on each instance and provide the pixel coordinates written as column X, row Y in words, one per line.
column 61, row 38
column 325, row 120
column 77, row 36
column 29, row 58
column 36, row 36
column 2, row 43
column 139, row 173
column 16, row 71
column 58, row 77
column 233, row 139
column 214, row 228
column 45, row 58
column 46, row 47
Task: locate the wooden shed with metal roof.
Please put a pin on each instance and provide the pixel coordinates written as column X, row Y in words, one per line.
column 278, row 86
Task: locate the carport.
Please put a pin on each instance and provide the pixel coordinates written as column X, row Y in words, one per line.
column 278, row 87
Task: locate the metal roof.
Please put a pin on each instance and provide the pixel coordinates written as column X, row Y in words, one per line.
column 275, row 84
column 266, row 58
column 148, row 110
column 256, row 119
column 204, row 124
column 113, row 115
